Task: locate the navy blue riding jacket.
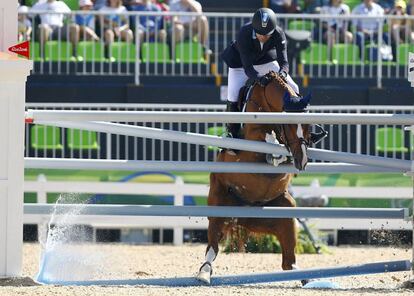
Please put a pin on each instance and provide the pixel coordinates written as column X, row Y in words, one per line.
column 246, row 51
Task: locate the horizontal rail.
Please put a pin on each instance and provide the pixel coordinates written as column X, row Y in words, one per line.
column 195, row 166
column 219, row 211
column 255, row 278
column 213, row 117
column 203, row 107
column 202, row 189
column 240, row 144
column 145, row 222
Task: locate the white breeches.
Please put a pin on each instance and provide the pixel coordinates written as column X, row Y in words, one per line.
column 237, row 79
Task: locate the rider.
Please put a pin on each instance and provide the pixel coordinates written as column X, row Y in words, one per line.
column 260, row 47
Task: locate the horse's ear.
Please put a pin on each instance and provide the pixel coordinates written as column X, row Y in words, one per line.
column 307, row 98
column 286, row 99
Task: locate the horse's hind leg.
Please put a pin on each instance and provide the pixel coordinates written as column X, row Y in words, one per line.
column 286, row 232
column 283, row 228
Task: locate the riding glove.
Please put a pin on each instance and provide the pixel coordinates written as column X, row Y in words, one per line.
column 264, row 80
column 283, row 74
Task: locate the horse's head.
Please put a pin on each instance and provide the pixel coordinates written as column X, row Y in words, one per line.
column 278, row 96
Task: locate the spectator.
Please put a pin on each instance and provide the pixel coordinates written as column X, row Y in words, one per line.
column 399, row 28
column 162, row 5
column 148, row 27
column 367, row 29
column 313, row 6
column 388, row 5
column 335, row 30
column 116, row 24
column 187, row 25
column 51, row 25
column 98, row 4
column 410, row 25
column 86, row 22
column 284, row 6
column 24, row 24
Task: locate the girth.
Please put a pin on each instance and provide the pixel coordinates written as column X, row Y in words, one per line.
column 244, row 202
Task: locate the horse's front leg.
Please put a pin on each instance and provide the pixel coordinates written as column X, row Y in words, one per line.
column 218, row 195
column 215, row 233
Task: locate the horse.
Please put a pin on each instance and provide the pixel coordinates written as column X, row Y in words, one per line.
column 232, row 189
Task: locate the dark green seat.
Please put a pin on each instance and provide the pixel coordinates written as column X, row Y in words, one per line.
column 402, row 53
column 123, row 51
column 155, row 52
column 73, row 4
column 316, row 53
column 35, row 51
column 45, row 137
column 345, row 54
column 90, row 51
column 389, row 139
column 58, row 51
column 82, row 140
column 215, row 131
column 189, row 52
column 352, row 3
column 306, row 25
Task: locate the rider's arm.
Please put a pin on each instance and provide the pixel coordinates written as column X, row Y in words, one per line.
column 281, row 50
column 245, row 47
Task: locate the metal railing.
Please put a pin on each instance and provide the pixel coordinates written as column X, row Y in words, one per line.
column 336, row 51
column 41, row 187
column 378, row 140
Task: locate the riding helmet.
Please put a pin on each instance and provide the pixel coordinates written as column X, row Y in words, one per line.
column 264, row 21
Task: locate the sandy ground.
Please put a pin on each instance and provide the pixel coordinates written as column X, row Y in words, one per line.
column 130, row 262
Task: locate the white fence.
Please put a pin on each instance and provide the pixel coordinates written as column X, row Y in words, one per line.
column 378, row 140
column 178, row 189
column 330, row 54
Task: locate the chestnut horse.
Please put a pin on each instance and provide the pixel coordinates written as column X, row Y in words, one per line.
column 232, row 189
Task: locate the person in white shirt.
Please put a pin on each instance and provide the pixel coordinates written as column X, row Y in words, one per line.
column 24, row 24
column 86, row 22
column 190, row 26
column 115, row 25
column 367, row 29
column 51, row 25
column 336, row 30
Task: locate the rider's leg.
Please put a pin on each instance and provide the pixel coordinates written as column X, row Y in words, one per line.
column 274, row 66
column 236, row 80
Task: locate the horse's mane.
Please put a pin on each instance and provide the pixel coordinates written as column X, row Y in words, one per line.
column 281, row 83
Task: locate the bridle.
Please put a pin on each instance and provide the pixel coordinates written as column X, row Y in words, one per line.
column 280, row 129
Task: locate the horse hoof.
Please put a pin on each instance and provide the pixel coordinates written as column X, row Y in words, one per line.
column 305, row 282
column 204, row 276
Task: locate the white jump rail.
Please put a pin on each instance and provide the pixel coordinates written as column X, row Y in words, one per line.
column 255, row 146
column 178, row 189
column 219, row 211
column 36, row 116
column 195, row 166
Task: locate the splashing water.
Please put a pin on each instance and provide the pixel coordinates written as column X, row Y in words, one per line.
column 61, row 258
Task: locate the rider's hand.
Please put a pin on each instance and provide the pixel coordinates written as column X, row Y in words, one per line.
column 264, row 80
column 283, row 74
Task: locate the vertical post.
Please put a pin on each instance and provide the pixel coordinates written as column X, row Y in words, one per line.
column 379, row 58
column 8, row 24
column 178, row 201
column 13, row 74
column 358, row 136
column 42, row 227
column 410, row 283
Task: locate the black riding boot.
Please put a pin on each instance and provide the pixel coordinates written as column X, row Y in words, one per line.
column 233, row 129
